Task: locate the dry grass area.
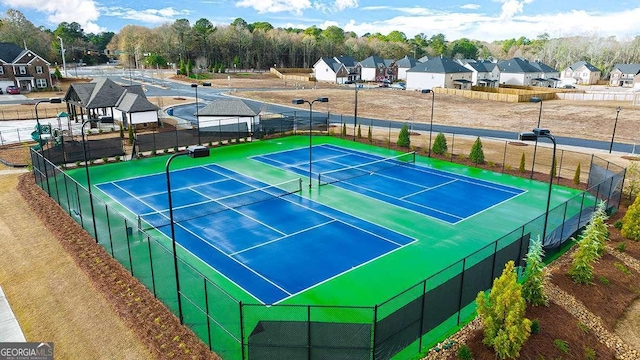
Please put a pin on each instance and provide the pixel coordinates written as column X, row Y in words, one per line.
column 589, row 120
column 53, row 299
column 253, row 81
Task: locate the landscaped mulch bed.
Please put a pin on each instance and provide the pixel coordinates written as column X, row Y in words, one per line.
column 555, row 324
column 611, row 292
column 151, row 321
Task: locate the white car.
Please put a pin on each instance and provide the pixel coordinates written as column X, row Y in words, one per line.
column 399, row 86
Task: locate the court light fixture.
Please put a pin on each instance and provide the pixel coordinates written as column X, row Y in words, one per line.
column 299, row 101
column 195, row 151
column 533, row 136
column 433, row 99
column 615, row 124
column 195, row 86
column 86, row 168
column 536, row 99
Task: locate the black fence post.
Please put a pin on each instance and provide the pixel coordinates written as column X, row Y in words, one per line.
column 153, row 277
column 495, row 256
column 128, row 246
column 560, row 165
column 106, row 210
column 373, row 337
column 206, row 308
column 424, row 295
column 241, row 330
column 564, row 221
column 309, row 332
column 464, row 266
column 453, row 142
column 79, row 205
column 504, row 156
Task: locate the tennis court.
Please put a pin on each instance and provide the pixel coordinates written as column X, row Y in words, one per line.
column 397, row 180
column 238, row 225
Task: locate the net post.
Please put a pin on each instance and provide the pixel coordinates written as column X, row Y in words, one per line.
column 139, row 218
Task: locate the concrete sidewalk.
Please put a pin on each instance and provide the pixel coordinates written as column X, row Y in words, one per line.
column 9, row 328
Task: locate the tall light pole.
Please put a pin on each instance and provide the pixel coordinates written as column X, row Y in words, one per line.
column 194, row 152
column 615, row 124
column 195, row 86
column 531, row 136
column 64, row 62
column 86, row 167
column 355, row 113
column 536, row 99
column 433, row 99
column 302, row 101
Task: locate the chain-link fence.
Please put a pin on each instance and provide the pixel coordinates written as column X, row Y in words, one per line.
column 407, row 323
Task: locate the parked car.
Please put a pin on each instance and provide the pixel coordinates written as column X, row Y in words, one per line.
column 13, row 90
column 1, row 92
column 569, row 86
column 399, row 86
column 384, row 83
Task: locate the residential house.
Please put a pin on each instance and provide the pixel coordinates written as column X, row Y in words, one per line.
column 581, row 72
column 405, row 64
column 350, row 63
column 519, row 71
column 229, row 116
column 623, row 74
column 549, row 77
column 23, row 68
column 329, row 70
column 439, row 72
column 375, row 68
column 483, row 73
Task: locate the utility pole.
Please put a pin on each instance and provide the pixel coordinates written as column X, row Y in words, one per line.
column 64, row 62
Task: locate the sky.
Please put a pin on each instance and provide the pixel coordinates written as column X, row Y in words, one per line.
column 485, row 20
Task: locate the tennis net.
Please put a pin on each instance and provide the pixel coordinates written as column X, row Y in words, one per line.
column 158, row 219
column 369, row 168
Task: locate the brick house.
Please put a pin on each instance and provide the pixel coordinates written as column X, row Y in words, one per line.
column 23, row 68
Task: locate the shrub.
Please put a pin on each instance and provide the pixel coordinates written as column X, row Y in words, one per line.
column 618, row 224
column 105, row 159
column 464, row 353
column 576, row 176
column 117, row 158
column 603, row 280
column 522, row 163
column 78, row 163
column 370, row 135
column 131, row 136
column 359, row 132
column 440, row 144
column 535, row 326
column 584, row 328
column 100, row 131
column 581, row 270
column 403, row 137
column 154, row 152
column 477, row 154
column 165, row 151
column 536, row 276
column 344, row 129
column 621, row 247
column 599, row 226
column 622, row 267
column 121, row 131
column 561, row 345
column 554, row 167
column 631, row 221
column 503, row 314
column 589, row 354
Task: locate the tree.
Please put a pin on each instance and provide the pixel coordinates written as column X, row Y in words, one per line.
column 477, row 154
column 359, row 131
column 631, row 221
column 131, row 134
column 576, row 176
column 344, row 130
column 598, row 226
column 403, row 137
column 57, row 73
column 554, row 168
column 464, row 48
column 503, row 314
column 581, row 270
column 522, row 163
column 440, row 144
column 438, row 44
column 396, row 36
column 535, row 276
column 369, row 135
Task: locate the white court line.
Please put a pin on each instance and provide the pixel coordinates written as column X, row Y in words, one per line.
column 426, row 189
column 185, row 187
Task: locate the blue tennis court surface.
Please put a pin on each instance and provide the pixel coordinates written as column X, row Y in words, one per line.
column 439, row 194
column 267, row 240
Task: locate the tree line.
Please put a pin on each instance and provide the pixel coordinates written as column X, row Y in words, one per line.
column 259, row 45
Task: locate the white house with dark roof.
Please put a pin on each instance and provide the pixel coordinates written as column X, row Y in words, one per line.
column 549, row 77
column 329, row 70
column 519, row 71
column 483, row 73
column 375, row 68
column 405, row 64
column 439, row 72
column 229, row 115
column 136, row 109
column 582, row 73
column 623, row 74
column 350, row 63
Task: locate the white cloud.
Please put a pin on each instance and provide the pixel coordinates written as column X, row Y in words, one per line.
column 470, row 6
column 274, row 6
column 341, row 5
column 83, row 12
column 151, row 16
column 484, row 27
column 512, row 7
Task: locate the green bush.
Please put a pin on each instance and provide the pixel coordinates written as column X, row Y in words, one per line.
column 105, row 159
column 603, row 280
column 344, row 129
column 522, row 163
column 359, row 132
column 464, row 353
column 403, row 137
column 535, row 326
column 576, row 176
column 622, row 267
column 554, row 168
column 503, row 314
column 121, row 131
column 631, row 221
column 117, row 158
column 477, row 154
column 589, row 354
column 131, row 135
column 621, row 247
column 440, row 144
column 581, row 270
column 536, row 276
column 370, row 135
column 561, row 345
